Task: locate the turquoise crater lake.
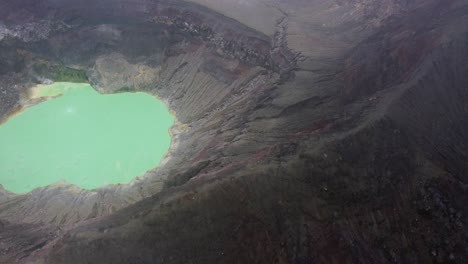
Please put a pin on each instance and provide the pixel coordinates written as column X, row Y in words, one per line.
column 83, row 137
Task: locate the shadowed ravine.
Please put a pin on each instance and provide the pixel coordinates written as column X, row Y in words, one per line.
column 321, row 131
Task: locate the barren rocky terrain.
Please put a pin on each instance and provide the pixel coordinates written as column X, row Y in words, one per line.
column 308, row 131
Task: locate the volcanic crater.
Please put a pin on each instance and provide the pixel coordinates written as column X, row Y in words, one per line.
column 321, row 131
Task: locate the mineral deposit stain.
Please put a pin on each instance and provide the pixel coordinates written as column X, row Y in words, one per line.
column 82, row 137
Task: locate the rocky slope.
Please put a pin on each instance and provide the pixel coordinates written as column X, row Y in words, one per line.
column 318, row 132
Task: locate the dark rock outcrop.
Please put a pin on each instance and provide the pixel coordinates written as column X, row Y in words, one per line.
column 335, row 135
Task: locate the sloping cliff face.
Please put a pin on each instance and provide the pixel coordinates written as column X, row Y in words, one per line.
column 320, row 132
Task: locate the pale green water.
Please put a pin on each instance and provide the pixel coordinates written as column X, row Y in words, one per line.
column 83, row 137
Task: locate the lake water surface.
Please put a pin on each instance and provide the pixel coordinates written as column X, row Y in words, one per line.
column 83, row 137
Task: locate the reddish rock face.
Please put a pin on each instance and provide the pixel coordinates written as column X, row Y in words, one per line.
column 393, row 54
column 339, row 138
